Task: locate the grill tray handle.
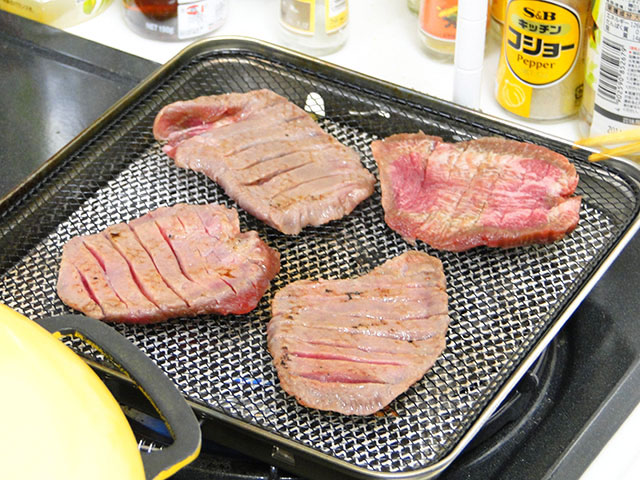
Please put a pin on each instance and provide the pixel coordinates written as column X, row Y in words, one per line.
column 154, row 384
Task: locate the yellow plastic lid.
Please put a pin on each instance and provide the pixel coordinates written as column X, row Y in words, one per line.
column 59, row 420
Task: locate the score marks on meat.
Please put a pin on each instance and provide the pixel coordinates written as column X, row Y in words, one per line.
column 175, row 261
column 352, row 346
column 268, row 154
column 489, row 191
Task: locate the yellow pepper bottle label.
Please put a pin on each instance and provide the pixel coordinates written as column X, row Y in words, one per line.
column 541, row 41
column 514, row 95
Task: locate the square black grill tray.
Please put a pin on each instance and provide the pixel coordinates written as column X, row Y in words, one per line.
column 505, row 305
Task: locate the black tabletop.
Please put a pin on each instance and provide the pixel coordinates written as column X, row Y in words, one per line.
column 52, row 86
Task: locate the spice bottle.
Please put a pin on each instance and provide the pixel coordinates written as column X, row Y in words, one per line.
column 541, row 67
column 317, row 27
column 57, row 13
column 174, row 20
column 437, row 27
column 612, row 81
column 498, row 10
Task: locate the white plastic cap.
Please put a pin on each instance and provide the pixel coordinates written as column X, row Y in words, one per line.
column 473, row 10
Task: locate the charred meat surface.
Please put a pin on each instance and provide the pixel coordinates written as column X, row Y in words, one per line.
column 352, row 346
column 488, row 191
column 267, row 154
column 178, row 261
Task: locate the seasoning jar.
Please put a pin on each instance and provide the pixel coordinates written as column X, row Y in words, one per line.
column 57, row 13
column 612, row 81
column 174, row 20
column 437, row 27
column 414, row 5
column 316, row 27
column 541, row 67
column 498, row 10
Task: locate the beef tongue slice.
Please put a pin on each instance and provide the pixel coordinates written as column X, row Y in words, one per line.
column 488, row 191
column 352, row 346
column 268, row 154
column 175, row 261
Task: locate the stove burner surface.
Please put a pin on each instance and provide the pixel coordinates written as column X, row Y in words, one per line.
column 529, row 401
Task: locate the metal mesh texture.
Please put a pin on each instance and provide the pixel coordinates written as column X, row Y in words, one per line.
column 501, row 301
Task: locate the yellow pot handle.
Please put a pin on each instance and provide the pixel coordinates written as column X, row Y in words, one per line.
column 179, row 418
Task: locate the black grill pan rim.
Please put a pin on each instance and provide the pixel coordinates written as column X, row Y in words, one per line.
column 402, row 96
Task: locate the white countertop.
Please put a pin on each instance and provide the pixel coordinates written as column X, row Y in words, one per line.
column 383, row 43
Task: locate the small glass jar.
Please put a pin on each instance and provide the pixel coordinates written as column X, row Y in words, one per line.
column 174, row 20
column 316, row 27
column 437, row 27
column 498, row 11
column 57, row 13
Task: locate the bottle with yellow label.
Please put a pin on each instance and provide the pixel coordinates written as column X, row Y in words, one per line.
column 541, row 67
column 57, row 13
column 498, row 10
column 317, row 27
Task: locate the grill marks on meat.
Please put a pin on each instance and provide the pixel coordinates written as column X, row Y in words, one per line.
column 352, row 346
column 175, row 261
column 489, row 191
column 268, row 155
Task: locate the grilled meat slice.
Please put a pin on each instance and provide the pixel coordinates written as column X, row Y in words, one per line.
column 175, row 261
column 489, row 191
column 352, row 346
column 268, row 155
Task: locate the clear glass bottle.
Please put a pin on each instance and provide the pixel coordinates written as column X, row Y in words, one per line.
column 498, row 11
column 437, row 27
column 174, row 20
column 611, row 100
column 57, row 13
column 316, row 27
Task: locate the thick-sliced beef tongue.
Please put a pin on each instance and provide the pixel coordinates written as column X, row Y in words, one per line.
column 184, row 119
column 175, row 261
column 489, row 191
column 268, row 155
column 352, row 346
column 143, row 269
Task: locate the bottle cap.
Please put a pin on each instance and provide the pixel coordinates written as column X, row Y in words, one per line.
column 473, row 10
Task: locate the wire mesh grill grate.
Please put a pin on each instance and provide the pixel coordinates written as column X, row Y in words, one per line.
column 501, row 301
